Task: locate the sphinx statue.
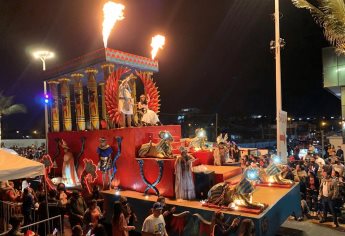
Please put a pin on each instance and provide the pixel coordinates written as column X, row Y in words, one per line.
column 272, row 174
column 163, row 149
column 223, row 194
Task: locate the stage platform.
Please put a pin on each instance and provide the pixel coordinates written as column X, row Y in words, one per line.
column 222, row 173
column 282, row 202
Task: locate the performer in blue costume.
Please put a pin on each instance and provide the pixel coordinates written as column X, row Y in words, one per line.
column 104, row 152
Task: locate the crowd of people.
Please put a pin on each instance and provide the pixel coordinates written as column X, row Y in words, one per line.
column 322, row 181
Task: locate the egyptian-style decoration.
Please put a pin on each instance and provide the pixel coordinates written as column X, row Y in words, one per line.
column 93, row 98
column 199, row 141
column 66, row 104
column 89, row 175
column 76, row 160
column 69, row 172
column 148, row 184
column 239, row 195
column 48, row 165
column 112, row 96
column 271, row 175
column 79, row 101
column 163, row 149
column 108, row 68
column 55, row 121
column 117, row 156
column 104, row 152
column 151, row 90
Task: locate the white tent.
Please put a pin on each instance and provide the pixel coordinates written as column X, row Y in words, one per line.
column 17, row 167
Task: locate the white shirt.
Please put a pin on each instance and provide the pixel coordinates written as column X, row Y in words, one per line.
column 320, row 162
column 154, row 225
column 325, row 188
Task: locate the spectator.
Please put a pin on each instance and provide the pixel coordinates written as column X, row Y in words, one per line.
column 312, row 166
column 320, row 162
column 28, row 205
column 154, row 224
column 119, row 224
column 340, row 153
column 337, row 166
column 313, row 186
column 92, row 215
column 77, row 230
column 12, row 194
column 326, row 194
column 221, row 227
column 77, row 207
column 99, row 230
column 167, row 211
column 15, row 222
column 247, row 228
column 62, row 201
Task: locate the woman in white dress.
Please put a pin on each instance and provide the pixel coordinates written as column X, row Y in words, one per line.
column 69, row 173
column 149, row 117
column 184, row 184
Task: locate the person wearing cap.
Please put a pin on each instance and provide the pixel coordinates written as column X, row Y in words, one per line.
column 154, row 224
column 184, row 184
column 104, row 152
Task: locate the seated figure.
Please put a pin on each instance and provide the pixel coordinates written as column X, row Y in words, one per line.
column 145, row 115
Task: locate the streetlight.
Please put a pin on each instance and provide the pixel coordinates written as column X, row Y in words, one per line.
column 44, row 55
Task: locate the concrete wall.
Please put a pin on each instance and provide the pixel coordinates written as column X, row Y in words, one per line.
column 22, row 142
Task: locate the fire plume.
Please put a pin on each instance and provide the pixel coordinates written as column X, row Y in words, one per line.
column 112, row 12
column 157, row 42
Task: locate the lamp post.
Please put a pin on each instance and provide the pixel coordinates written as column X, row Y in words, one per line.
column 44, row 55
column 278, row 72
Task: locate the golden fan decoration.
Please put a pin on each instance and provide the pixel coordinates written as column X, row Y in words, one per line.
column 330, row 14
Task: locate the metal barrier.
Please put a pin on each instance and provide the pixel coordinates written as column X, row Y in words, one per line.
column 50, row 226
column 7, row 209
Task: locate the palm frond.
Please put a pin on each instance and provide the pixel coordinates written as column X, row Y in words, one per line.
column 330, row 14
column 16, row 108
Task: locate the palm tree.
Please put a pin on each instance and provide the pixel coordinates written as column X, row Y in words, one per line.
column 330, row 14
column 8, row 108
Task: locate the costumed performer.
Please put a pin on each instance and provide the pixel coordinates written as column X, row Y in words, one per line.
column 126, row 102
column 221, row 151
column 69, row 173
column 104, row 152
column 148, row 117
column 184, row 185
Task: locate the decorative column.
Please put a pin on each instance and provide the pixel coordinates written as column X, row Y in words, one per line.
column 54, row 109
column 108, row 68
column 66, row 104
column 79, row 101
column 93, row 97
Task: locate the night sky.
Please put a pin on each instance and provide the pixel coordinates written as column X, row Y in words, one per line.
column 216, row 56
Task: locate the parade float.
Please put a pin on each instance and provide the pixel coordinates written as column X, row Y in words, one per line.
column 98, row 136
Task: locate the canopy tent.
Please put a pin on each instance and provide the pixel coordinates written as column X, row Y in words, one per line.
column 17, row 167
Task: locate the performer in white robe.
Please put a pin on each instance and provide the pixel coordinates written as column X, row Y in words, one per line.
column 184, row 184
column 126, row 102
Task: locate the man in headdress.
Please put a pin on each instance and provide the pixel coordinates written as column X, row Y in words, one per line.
column 221, row 152
column 104, row 152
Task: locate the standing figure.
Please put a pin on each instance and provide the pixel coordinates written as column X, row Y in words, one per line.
column 69, row 173
column 221, row 152
column 126, row 102
column 148, row 117
column 184, row 185
column 104, row 152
